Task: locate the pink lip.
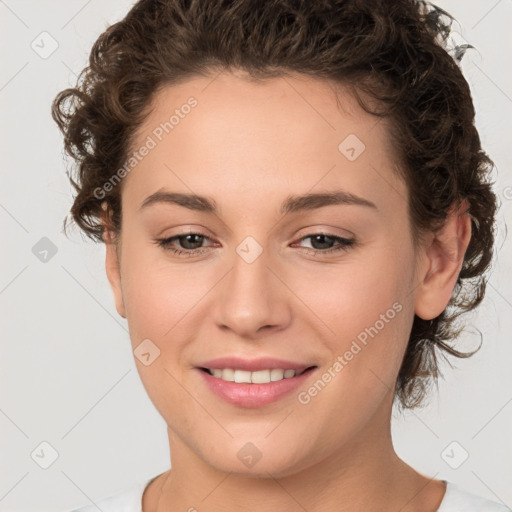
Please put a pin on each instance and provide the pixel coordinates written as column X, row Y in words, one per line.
column 253, row 365
column 253, row 395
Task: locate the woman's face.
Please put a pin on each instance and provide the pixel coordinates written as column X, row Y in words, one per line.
column 263, row 282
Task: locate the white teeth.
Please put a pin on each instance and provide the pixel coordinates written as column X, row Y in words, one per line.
column 276, row 374
column 258, row 377
column 262, row 377
column 242, row 376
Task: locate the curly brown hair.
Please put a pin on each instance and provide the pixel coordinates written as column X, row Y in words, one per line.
column 391, row 54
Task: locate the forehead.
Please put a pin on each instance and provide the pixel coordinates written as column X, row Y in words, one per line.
column 227, row 131
column 230, row 100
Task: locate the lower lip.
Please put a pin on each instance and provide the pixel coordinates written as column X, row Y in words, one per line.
column 253, row 395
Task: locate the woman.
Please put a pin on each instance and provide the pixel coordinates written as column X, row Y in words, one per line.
column 296, row 208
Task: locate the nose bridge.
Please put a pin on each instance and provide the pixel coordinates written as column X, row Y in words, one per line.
column 252, row 297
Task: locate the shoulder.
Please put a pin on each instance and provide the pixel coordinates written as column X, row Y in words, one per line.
column 457, row 499
column 129, row 500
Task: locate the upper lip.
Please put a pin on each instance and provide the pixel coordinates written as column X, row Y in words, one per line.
column 253, row 365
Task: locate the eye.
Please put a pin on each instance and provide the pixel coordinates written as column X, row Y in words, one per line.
column 190, row 244
column 326, row 243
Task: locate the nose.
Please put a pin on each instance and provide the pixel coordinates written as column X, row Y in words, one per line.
column 252, row 298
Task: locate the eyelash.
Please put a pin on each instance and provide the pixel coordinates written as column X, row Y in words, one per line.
column 343, row 244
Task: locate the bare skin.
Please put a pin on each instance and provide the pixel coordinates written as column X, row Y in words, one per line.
column 249, row 146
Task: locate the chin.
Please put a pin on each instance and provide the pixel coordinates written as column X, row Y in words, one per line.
column 257, row 459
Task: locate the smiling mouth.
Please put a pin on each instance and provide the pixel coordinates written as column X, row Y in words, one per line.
column 256, row 377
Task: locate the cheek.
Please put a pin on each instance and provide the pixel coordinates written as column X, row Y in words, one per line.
column 159, row 300
column 161, row 304
column 366, row 311
column 352, row 295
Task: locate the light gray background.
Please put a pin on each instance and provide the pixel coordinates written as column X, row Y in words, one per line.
column 67, row 372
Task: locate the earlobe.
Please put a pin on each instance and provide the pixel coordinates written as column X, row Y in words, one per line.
column 443, row 258
column 113, row 270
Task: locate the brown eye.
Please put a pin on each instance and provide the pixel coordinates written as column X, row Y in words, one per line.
column 322, row 243
column 190, row 241
column 189, row 244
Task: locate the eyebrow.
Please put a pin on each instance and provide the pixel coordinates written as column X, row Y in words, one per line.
column 291, row 204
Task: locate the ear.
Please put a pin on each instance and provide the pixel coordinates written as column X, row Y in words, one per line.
column 112, row 265
column 442, row 259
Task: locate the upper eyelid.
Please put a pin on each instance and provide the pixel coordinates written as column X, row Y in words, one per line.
column 307, row 231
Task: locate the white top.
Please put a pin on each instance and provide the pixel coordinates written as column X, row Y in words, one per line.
column 455, row 500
